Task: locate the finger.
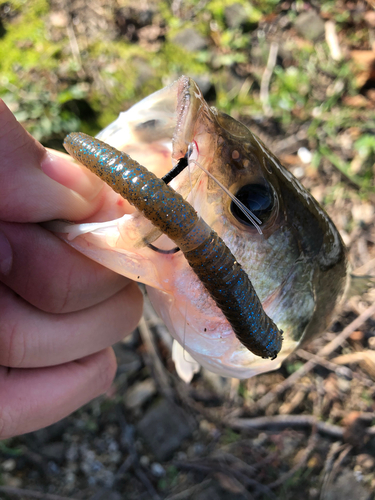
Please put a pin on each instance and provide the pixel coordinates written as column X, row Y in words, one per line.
column 27, row 193
column 34, row 398
column 31, row 338
column 49, row 274
column 60, row 167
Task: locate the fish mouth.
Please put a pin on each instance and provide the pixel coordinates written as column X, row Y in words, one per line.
column 189, row 104
column 166, row 117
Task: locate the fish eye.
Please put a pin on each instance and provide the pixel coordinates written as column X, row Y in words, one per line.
column 258, row 198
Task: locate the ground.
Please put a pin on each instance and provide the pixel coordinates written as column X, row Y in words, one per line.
column 301, row 76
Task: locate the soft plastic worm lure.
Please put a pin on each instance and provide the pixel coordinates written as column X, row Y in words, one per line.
column 207, row 254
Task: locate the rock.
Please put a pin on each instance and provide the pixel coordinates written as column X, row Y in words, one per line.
column 310, row 25
column 95, row 471
column 145, row 72
column 59, row 19
column 345, row 484
column 366, row 462
column 144, row 461
column 235, row 16
column 107, row 494
column 164, row 427
column 363, row 213
column 130, row 19
column 195, row 450
column 52, row 468
column 48, row 434
column 304, row 155
column 190, row 40
column 369, row 17
column 221, row 385
column 216, row 492
column 9, row 465
column 128, row 361
column 54, row 451
column 139, row 393
column 157, row 469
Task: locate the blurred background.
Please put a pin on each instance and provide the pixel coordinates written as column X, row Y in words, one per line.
column 301, row 75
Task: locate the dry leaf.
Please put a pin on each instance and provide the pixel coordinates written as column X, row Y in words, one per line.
column 357, row 336
column 364, row 66
column 355, row 429
column 229, row 483
column 355, row 357
column 356, row 101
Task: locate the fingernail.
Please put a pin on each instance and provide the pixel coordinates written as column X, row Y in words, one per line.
column 6, row 255
column 71, row 175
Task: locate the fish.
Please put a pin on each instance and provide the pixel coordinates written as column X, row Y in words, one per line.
column 280, row 237
column 208, row 256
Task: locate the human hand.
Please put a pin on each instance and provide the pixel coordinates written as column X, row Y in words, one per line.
column 59, row 311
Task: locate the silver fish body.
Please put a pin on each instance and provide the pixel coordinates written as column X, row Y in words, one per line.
column 296, row 262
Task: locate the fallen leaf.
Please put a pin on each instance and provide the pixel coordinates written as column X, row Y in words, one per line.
column 356, row 101
column 364, row 66
column 369, row 17
column 229, row 483
column 355, row 429
column 357, row 336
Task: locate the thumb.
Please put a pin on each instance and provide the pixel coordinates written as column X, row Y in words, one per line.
column 38, row 185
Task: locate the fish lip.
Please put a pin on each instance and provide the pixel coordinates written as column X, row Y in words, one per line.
column 181, row 102
column 189, row 102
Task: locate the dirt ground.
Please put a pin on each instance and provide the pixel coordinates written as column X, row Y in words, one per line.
column 308, row 429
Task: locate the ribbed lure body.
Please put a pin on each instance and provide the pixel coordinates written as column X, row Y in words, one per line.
column 234, row 294
column 205, row 251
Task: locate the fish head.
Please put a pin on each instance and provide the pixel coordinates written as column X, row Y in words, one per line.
column 285, row 242
column 295, row 256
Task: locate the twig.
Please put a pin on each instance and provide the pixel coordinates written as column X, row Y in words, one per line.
column 289, row 144
column 215, row 466
column 355, row 357
column 176, row 8
column 232, row 459
column 301, row 463
column 74, row 47
column 283, row 421
column 19, row 492
column 146, row 483
column 153, row 361
column 333, row 41
column 330, row 475
column 335, row 448
column 341, row 458
column 296, row 421
column 266, row 78
column 329, row 365
column 342, row 371
column 325, row 351
column 347, row 331
column 189, row 492
column 291, row 404
column 127, row 442
column 228, row 482
column 367, row 267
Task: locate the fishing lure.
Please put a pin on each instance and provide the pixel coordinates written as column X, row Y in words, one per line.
column 205, row 251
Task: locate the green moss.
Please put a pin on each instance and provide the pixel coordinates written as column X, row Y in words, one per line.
column 176, row 60
column 217, row 8
column 229, row 436
column 25, row 45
